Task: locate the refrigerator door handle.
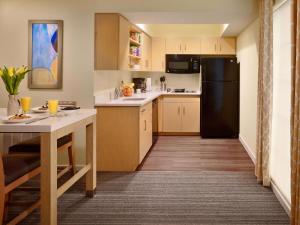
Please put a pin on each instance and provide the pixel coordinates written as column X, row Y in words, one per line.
column 200, row 79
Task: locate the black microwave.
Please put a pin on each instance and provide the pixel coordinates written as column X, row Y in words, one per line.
column 182, row 63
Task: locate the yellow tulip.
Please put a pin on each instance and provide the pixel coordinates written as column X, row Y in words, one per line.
column 10, row 71
column 20, row 70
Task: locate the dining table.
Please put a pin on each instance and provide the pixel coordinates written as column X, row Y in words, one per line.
column 51, row 128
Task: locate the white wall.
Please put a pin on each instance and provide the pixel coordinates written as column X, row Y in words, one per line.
column 247, row 54
column 280, row 154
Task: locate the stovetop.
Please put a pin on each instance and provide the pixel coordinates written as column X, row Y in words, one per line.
column 182, row 90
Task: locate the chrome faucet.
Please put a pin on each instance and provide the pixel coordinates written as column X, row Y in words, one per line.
column 117, row 93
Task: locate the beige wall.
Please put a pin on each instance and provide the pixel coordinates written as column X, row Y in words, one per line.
column 78, row 58
column 107, row 79
column 247, row 53
column 280, row 154
column 78, row 47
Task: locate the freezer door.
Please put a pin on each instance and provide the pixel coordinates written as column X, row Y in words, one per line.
column 219, row 69
column 219, row 110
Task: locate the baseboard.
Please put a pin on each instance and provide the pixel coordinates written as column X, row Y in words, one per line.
column 179, row 133
column 283, row 201
column 248, row 149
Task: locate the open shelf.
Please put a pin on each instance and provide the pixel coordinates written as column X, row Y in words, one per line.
column 134, row 57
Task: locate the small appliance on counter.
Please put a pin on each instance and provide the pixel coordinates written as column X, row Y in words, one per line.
column 183, row 90
column 163, row 85
column 139, row 83
column 148, row 84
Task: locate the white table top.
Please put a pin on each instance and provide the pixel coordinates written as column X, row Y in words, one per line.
column 49, row 124
column 147, row 97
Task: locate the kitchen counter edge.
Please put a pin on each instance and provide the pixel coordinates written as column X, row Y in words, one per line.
column 149, row 96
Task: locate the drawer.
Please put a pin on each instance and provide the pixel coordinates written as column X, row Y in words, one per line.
column 146, row 109
column 183, row 99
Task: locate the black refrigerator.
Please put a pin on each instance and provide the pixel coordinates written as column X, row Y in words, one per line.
column 219, row 111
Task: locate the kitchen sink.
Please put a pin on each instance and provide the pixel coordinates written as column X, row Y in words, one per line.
column 133, row 99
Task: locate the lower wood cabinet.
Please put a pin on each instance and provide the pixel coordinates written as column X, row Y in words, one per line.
column 124, row 136
column 145, row 130
column 181, row 114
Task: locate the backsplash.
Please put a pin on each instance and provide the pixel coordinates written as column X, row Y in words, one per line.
column 188, row 81
column 105, row 81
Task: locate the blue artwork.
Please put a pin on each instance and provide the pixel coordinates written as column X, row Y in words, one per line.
column 44, row 51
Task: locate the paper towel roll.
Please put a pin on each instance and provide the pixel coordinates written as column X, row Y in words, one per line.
column 148, row 84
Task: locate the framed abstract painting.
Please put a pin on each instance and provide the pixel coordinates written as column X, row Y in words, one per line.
column 45, row 54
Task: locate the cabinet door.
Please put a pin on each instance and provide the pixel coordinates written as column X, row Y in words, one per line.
column 209, row 46
column 124, row 28
column 226, row 46
column 171, row 117
column 191, row 117
column 146, row 52
column 158, row 54
column 174, row 46
column 106, row 41
column 191, row 46
column 145, row 130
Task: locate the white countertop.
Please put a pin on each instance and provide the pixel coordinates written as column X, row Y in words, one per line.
column 49, row 124
column 148, row 97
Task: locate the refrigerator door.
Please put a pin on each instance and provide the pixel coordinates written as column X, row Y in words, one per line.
column 219, row 69
column 219, row 110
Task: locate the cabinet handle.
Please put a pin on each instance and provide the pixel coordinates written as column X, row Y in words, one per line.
column 185, row 48
column 183, row 110
column 143, row 110
column 180, row 47
column 220, row 48
column 215, row 47
column 178, row 110
column 145, row 127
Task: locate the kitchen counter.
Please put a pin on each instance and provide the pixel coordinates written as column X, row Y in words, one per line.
column 144, row 98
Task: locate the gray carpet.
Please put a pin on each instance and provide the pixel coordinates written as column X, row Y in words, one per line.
column 154, row 198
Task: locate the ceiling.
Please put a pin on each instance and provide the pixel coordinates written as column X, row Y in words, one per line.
column 238, row 14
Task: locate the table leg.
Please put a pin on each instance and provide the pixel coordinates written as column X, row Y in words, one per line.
column 91, row 159
column 48, row 179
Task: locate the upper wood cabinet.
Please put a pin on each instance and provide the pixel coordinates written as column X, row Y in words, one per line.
column 111, row 42
column 183, row 46
column 218, row 46
column 227, row 46
column 209, row 46
column 158, row 54
column 146, row 53
column 173, row 46
column 191, row 46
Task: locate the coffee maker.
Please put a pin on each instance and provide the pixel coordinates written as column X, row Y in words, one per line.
column 139, row 83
